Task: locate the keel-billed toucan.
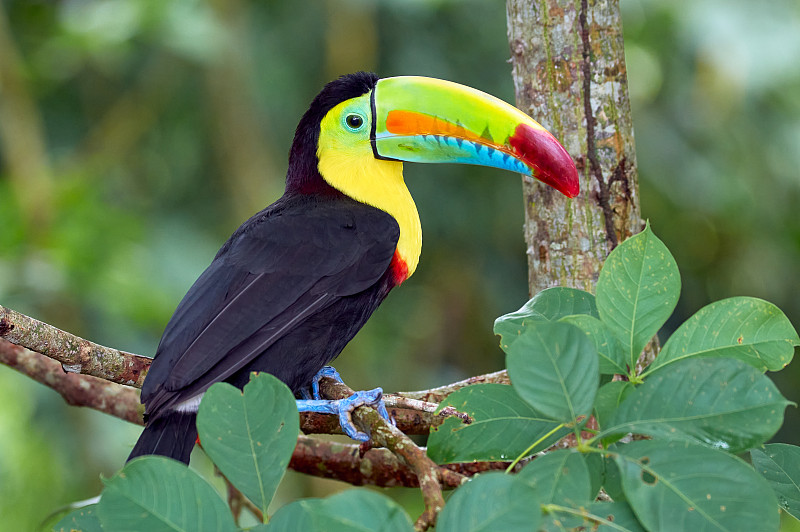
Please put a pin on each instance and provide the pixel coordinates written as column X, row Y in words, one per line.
column 296, row 281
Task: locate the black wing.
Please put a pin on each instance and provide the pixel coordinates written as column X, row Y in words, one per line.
column 282, row 266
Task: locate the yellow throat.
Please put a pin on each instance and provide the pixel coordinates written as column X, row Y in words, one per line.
column 350, row 167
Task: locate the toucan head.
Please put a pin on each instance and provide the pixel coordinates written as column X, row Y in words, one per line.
column 358, row 131
column 419, row 119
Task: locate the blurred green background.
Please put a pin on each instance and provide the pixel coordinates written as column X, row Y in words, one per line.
column 136, row 135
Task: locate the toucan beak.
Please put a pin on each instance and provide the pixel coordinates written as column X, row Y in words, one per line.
column 428, row 120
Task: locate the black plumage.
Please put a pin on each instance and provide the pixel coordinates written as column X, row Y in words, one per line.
column 283, row 295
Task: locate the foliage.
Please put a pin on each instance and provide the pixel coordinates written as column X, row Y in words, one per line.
column 164, row 125
column 662, row 442
column 137, row 98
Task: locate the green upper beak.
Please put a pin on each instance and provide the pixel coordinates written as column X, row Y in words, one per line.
column 420, row 119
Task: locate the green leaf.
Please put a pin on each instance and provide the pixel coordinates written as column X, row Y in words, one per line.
column 554, row 367
column 548, row 305
column 684, row 486
column 81, row 520
column 250, row 435
column 596, row 516
column 596, row 466
column 559, row 477
column 637, row 290
column 154, row 493
column 746, row 328
column 612, row 478
column 612, row 357
column 349, row 511
column 720, row 402
column 779, row 463
column 617, row 517
column 491, row 501
column 609, row 397
column 503, row 426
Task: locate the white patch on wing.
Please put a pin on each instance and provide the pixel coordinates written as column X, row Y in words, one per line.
column 191, row 404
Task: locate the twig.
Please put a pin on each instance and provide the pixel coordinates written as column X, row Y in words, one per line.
column 384, row 434
column 378, row 467
column 77, row 390
column 412, row 410
column 237, row 500
column 375, row 467
column 75, row 354
column 437, row 395
column 410, row 467
column 400, row 403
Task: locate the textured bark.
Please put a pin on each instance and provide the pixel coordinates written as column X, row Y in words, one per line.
column 437, row 395
column 75, row 354
column 77, row 390
column 23, row 341
column 384, row 434
column 569, row 74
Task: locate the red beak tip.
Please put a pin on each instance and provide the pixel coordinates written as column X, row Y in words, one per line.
column 563, row 176
column 572, row 187
column 547, row 158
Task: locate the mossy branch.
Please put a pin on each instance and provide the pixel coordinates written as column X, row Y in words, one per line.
column 106, row 379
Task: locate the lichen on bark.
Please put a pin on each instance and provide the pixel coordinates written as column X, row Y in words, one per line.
column 569, row 74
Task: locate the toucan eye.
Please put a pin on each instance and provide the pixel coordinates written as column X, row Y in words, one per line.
column 354, row 121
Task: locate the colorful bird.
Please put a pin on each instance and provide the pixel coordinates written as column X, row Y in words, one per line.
column 295, row 283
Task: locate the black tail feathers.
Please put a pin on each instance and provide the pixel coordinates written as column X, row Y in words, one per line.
column 172, row 435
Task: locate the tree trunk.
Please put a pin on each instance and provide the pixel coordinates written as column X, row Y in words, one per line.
column 569, row 74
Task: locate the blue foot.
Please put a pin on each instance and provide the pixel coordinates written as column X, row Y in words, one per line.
column 344, row 409
column 326, row 371
column 312, row 392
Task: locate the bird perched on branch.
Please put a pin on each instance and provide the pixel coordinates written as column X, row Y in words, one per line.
column 295, row 283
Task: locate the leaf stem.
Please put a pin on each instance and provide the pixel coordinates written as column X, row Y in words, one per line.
column 533, row 446
column 583, row 513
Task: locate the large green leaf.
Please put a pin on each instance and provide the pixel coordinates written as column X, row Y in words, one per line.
column 612, row 478
column 154, row 493
column 723, row 403
column 596, row 517
column 560, row 477
column 749, row 329
column 609, row 397
column 616, row 517
column 548, row 305
column 684, row 486
column 554, row 367
column 349, row 511
column 503, row 426
column 250, row 435
column 489, row 502
column 637, row 290
column 81, row 520
column 595, row 464
column 612, row 357
column 779, row 463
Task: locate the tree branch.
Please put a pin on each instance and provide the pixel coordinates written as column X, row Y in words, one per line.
column 412, row 411
column 437, row 395
column 75, row 354
column 77, row 390
column 375, row 467
column 93, row 375
column 384, row 434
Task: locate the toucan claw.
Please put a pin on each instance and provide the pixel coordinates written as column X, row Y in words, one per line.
column 326, row 371
column 343, row 407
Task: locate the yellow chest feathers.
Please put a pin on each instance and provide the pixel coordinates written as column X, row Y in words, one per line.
column 351, row 168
